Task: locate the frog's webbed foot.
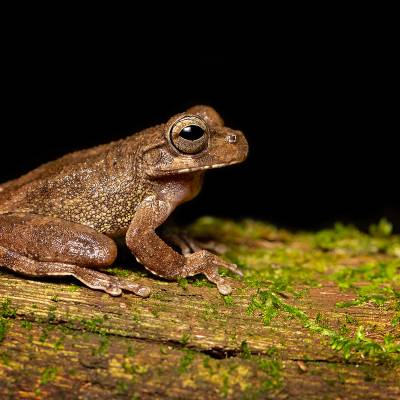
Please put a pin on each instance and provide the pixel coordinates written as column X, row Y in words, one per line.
column 207, row 263
column 110, row 284
column 188, row 245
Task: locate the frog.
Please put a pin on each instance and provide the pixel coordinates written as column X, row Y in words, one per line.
column 65, row 217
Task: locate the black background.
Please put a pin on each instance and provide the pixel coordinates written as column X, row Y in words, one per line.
column 320, row 117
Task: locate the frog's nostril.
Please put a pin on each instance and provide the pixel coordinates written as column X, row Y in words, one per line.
column 231, row 138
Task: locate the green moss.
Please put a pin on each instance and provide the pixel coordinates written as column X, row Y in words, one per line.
column 5, row 358
column 121, row 272
column 379, row 279
column 183, row 283
column 228, row 300
column 134, row 369
column 245, row 350
column 49, row 375
column 94, row 324
column 273, row 370
column 365, row 347
column 6, row 311
column 270, row 367
column 270, row 305
column 210, row 312
column 26, row 324
column 186, row 360
column 44, row 334
column 200, row 282
column 51, row 315
column 184, row 340
column 276, row 262
column 102, row 347
column 122, row 387
column 58, row 344
column 73, row 288
column 3, row 328
column 350, row 239
column 226, row 230
column 383, row 229
column 130, row 352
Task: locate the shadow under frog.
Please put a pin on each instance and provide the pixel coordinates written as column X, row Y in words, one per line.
column 63, row 217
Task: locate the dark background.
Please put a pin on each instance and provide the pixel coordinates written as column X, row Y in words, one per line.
column 320, row 117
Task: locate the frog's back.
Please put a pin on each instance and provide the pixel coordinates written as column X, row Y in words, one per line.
column 53, row 168
column 75, row 174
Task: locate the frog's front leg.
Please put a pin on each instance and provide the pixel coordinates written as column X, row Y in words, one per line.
column 161, row 259
column 37, row 245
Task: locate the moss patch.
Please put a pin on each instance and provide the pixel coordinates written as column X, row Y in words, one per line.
column 284, row 266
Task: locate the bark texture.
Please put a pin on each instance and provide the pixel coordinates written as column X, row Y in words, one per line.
column 317, row 315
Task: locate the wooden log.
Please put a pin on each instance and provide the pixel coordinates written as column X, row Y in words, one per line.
column 283, row 333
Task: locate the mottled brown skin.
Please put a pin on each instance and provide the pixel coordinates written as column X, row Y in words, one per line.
column 62, row 218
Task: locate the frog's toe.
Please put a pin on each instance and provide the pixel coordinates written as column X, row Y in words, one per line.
column 140, row 290
column 235, row 269
column 232, row 267
column 113, row 290
column 144, row 291
column 224, row 289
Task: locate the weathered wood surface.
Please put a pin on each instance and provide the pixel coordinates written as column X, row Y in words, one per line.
column 64, row 341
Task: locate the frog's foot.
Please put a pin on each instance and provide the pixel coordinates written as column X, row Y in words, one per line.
column 188, row 245
column 94, row 279
column 110, row 284
column 207, row 263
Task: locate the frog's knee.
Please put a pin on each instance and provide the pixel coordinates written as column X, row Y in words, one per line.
column 105, row 253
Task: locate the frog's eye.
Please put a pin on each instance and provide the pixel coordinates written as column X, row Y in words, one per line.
column 189, row 135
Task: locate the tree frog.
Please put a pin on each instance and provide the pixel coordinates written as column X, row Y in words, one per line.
column 63, row 218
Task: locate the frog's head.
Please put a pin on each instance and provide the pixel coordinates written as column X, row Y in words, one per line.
column 194, row 141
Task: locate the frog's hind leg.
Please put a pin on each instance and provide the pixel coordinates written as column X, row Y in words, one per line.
column 36, row 245
column 94, row 279
column 188, row 244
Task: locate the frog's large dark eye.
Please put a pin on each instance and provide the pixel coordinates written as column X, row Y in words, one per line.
column 189, row 135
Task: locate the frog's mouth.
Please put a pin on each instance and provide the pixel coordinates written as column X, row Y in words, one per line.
column 188, row 170
column 204, row 167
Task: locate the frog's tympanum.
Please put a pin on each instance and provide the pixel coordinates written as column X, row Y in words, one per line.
column 63, row 217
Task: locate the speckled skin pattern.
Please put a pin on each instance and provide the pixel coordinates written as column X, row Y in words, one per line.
column 62, row 217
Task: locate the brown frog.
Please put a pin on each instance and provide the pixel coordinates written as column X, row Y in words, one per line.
column 63, row 217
